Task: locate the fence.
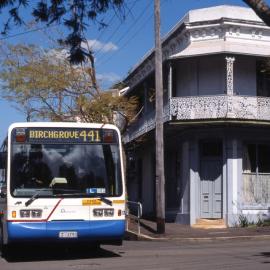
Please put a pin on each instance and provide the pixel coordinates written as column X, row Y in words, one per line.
column 134, row 216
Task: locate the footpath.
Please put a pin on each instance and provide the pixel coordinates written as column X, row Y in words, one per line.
column 186, row 233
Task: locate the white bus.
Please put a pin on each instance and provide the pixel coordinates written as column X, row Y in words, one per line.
column 64, row 183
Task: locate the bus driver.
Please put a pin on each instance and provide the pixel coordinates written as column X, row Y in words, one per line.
column 36, row 172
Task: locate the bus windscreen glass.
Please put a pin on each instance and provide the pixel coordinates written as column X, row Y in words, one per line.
column 65, row 162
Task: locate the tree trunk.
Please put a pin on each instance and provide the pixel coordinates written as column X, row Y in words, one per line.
column 261, row 8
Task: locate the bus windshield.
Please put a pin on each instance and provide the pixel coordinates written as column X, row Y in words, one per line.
column 69, row 169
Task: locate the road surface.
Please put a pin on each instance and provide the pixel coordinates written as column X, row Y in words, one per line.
column 146, row 255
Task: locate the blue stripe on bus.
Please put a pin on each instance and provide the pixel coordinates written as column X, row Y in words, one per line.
column 87, row 230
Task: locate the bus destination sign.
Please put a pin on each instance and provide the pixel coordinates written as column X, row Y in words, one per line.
column 65, row 135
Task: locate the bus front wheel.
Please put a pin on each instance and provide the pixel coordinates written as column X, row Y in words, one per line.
column 3, row 247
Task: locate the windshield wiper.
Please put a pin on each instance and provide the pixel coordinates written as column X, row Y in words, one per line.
column 105, row 200
column 36, row 194
column 100, row 197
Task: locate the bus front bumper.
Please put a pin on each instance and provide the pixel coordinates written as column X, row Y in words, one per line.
column 90, row 231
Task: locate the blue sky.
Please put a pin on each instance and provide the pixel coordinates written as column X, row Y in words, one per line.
column 118, row 47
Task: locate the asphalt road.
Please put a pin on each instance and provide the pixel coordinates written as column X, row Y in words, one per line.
column 234, row 254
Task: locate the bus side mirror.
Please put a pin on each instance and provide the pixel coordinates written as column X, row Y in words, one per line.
column 3, row 160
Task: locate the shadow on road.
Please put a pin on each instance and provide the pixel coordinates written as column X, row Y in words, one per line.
column 53, row 253
column 264, row 255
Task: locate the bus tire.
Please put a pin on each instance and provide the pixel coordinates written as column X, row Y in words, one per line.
column 2, row 246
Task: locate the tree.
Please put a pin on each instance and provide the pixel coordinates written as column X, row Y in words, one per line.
column 73, row 14
column 261, row 8
column 43, row 84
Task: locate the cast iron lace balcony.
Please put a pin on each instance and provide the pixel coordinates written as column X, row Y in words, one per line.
column 205, row 108
column 220, row 107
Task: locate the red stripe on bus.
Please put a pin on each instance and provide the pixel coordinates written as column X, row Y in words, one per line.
column 54, row 209
column 26, row 220
column 36, row 220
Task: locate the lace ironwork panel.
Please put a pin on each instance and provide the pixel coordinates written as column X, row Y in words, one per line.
column 224, row 106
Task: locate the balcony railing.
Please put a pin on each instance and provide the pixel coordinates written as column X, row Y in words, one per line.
column 145, row 124
column 223, row 106
column 205, row 107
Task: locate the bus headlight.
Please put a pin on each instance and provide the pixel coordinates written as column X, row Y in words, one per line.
column 33, row 213
column 25, row 213
column 108, row 212
column 36, row 213
column 98, row 212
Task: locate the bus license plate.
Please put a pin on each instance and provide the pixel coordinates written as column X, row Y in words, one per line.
column 68, row 234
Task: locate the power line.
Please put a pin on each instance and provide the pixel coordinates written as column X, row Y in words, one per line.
column 112, row 18
column 127, row 42
column 136, row 21
column 27, row 32
column 114, row 32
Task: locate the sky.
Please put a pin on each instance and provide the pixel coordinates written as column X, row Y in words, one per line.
column 117, row 48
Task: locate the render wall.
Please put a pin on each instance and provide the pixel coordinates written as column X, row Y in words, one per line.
column 204, row 76
column 245, row 76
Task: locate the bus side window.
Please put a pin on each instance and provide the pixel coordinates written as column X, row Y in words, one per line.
column 3, row 160
column 3, row 163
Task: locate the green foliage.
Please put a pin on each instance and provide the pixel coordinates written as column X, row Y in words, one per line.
column 260, row 221
column 44, row 85
column 74, row 15
column 104, row 107
column 243, row 221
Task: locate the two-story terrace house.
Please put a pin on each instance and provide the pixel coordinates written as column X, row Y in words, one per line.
column 216, row 119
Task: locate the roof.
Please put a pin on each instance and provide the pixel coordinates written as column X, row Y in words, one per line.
column 222, row 11
column 206, row 31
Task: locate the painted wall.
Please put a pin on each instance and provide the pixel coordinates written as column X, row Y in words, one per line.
column 148, row 181
column 187, row 145
column 183, row 216
column 245, row 76
column 200, row 76
column 207, row 76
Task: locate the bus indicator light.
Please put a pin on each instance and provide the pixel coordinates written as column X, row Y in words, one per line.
column 13, row 214
column 108, row 136
column 20, row 135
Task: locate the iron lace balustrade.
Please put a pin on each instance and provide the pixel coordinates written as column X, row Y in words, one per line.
column 220, row 107
column 204, row 107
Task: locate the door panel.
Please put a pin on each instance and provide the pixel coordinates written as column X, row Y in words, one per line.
column 211, row 187
column 217, row 200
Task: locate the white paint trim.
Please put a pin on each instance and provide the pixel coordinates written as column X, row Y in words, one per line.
column 234, row 177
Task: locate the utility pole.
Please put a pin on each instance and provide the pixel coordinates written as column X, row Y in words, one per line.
column 160, row 178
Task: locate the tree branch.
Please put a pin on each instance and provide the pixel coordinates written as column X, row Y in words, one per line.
column 261, row 8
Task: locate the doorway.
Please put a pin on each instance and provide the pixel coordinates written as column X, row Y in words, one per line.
column 211, row 179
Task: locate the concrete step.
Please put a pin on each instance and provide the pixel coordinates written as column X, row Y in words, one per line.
column 204, row 223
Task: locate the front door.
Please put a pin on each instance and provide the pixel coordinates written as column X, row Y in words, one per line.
column 211, row 180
